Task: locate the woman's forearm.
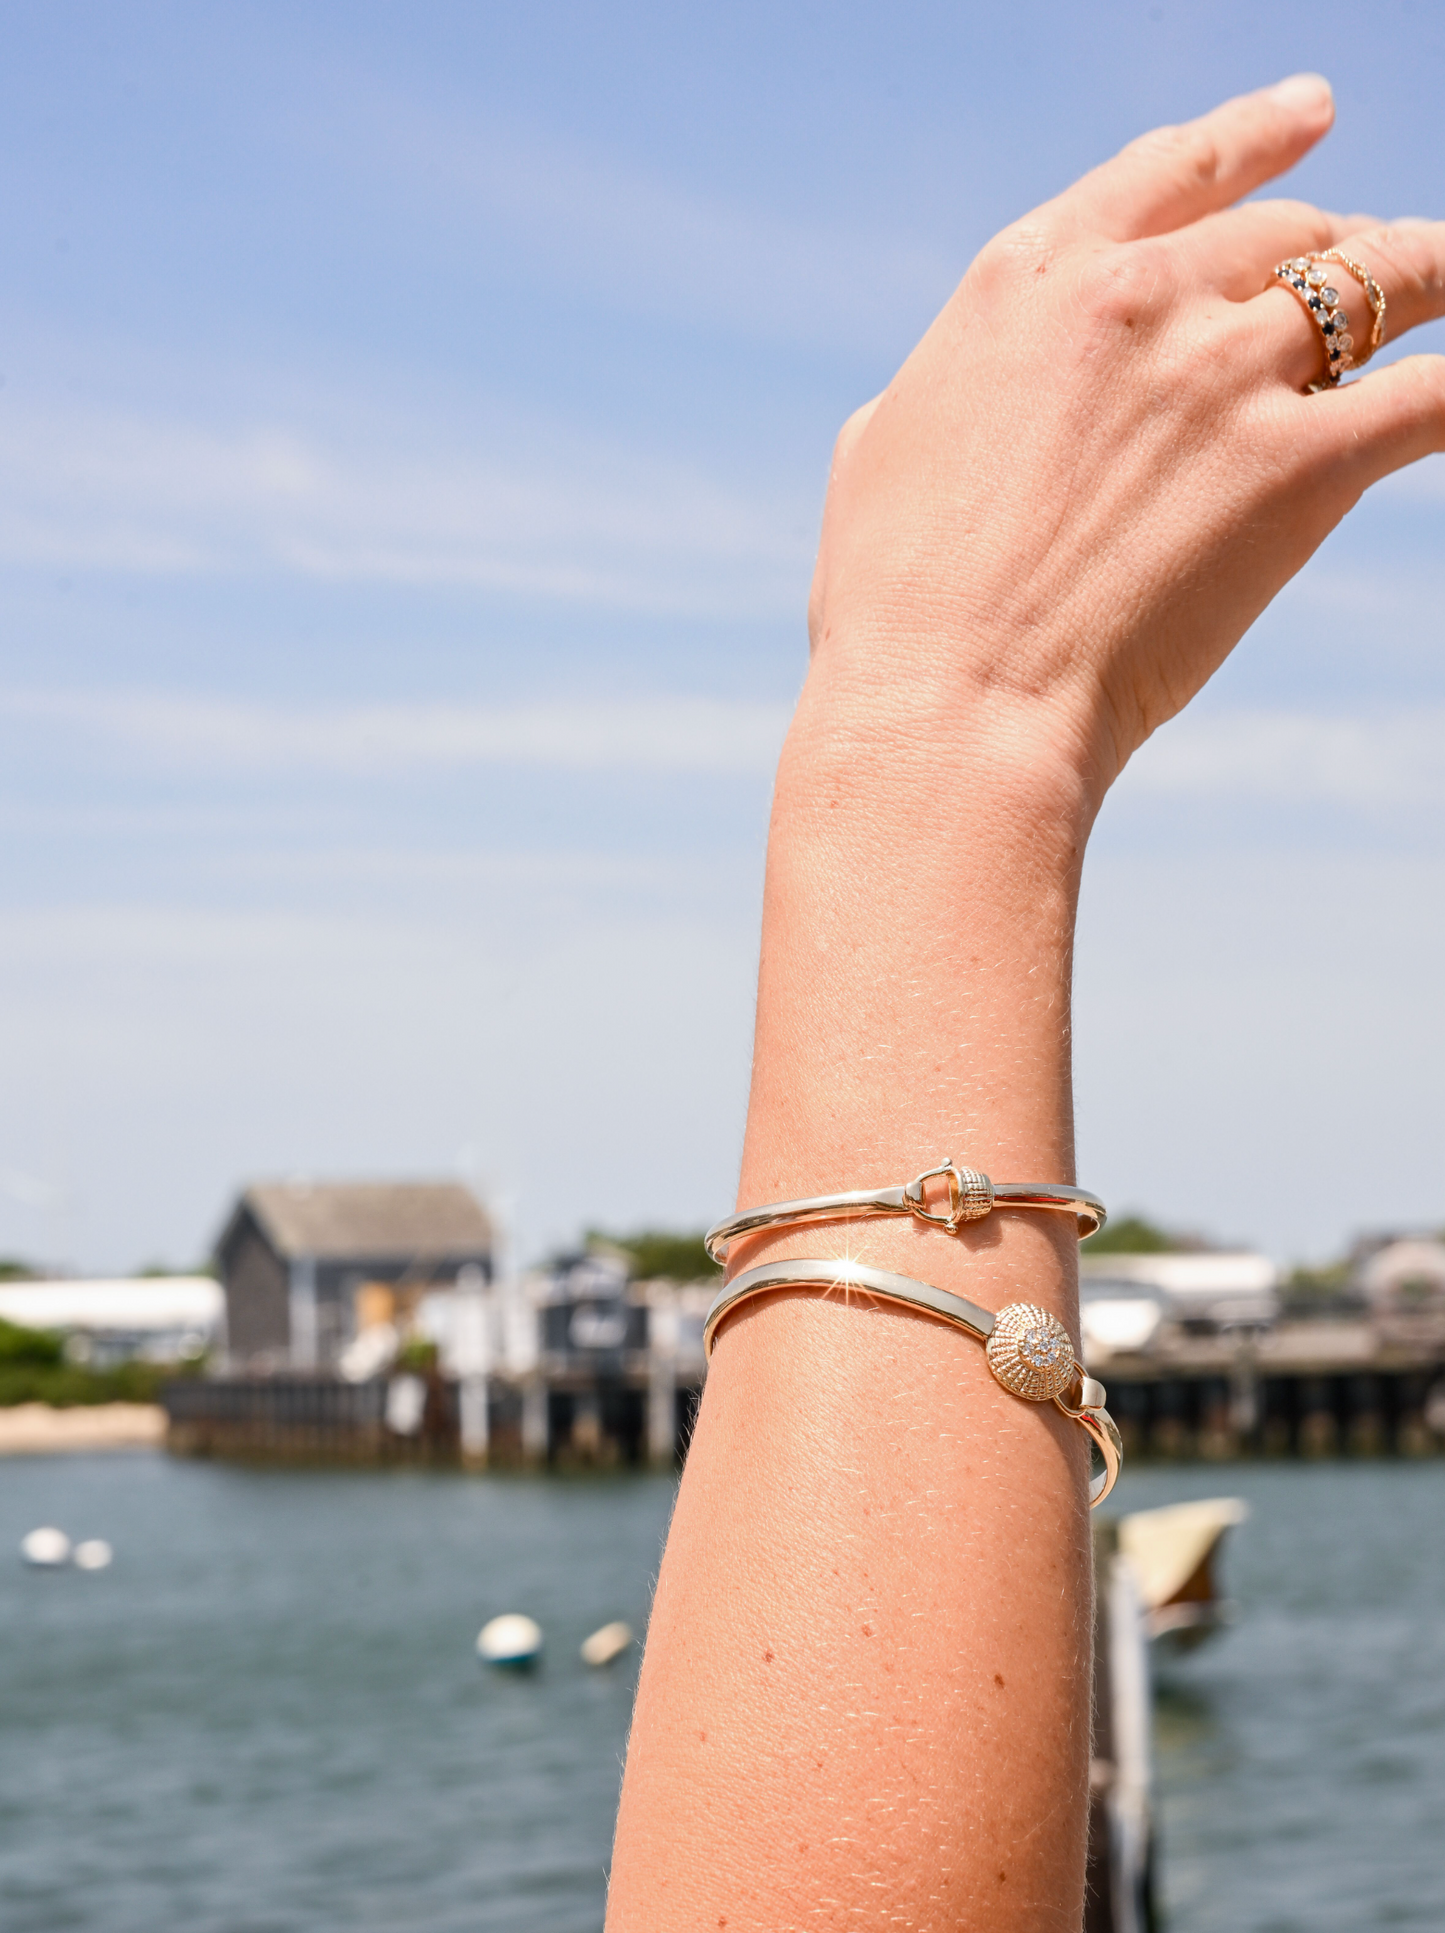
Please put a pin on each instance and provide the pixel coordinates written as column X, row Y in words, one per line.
column 865, row 1696
column 848, row 1699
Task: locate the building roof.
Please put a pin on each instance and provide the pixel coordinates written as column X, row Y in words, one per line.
column 403, row 1221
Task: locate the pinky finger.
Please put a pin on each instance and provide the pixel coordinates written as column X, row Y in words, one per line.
column 1393, row 417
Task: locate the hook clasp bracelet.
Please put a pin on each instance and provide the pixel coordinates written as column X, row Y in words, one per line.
column 971, row 1196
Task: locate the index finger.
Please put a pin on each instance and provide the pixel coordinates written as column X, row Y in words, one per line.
column 1176, row 175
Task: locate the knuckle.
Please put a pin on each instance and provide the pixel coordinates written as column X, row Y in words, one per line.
column 1127, row 284
column 817, row 612
column 1315, row 228
column 845, row 439
column 848, row 437
column 1402, row 261
column 1012, row 259
column 1189, row 153
column 1287, row 208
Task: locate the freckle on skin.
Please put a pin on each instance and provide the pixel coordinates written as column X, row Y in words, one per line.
column 703, row 1737
column 998, row 1681
column 767, row 1657
column 867, row 1630
column 1001, row 1878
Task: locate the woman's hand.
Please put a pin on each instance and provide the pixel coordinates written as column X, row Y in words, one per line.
column 1100, row 464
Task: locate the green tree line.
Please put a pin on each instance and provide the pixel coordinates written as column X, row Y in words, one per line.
column 34, row 1369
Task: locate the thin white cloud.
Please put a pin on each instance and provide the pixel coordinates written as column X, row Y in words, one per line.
column 1378, row 760
column 382, row 503
column 642, row 243
column 645, row 734
column 1383, row 759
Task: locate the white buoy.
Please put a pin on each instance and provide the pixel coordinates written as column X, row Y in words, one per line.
column 512, row 1641
column 93, row 1555
column 608, row 1643
column 46, row 1549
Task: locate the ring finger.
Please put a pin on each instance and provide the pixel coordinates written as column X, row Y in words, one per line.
column 1407, row 260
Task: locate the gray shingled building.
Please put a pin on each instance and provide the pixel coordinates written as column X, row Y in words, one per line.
column 295, row 1257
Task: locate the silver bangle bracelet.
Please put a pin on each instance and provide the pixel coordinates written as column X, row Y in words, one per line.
column 971, row 1196
column 1030, row 1352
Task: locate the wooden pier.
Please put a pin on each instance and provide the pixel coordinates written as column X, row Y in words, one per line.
column 1299, row 1389
column 1307, row 1389
column 569, row 1424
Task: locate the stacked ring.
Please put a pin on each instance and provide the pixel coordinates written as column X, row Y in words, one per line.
column 1308, row 277
column 1374, row 295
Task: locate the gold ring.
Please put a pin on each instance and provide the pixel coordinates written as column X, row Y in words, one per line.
column 1309, row 279
column 1374, row 295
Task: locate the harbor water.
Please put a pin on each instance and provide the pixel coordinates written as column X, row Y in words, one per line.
column 267, row 1716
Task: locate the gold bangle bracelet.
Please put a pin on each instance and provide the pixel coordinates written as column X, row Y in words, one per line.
column 971, row 1196
column 1030, row 1352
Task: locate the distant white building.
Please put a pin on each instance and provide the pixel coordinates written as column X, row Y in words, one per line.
column 482, row 1328
column 161, row 1318
column 1126, row 1300
column 1118, row 1318
column 1404, row 1284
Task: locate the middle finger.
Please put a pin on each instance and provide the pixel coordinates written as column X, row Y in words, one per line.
column 1233, row 253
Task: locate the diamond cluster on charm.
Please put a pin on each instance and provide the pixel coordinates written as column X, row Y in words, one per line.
column 1040, row 1348
column 1030, row 1352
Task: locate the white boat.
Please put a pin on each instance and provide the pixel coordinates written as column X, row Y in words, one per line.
column 1173, row 1553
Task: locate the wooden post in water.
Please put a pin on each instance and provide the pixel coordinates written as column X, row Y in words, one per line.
column 535, row 1434
column 1120, row 1873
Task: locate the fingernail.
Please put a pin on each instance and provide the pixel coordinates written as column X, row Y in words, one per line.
column 1303, row 91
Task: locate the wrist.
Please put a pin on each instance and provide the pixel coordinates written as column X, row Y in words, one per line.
column 913, row 764
column 917, row 943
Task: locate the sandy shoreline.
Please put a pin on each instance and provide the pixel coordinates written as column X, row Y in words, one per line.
column 31, row 1429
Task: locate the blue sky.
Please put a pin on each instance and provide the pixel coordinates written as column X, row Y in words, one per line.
column 412, row 433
